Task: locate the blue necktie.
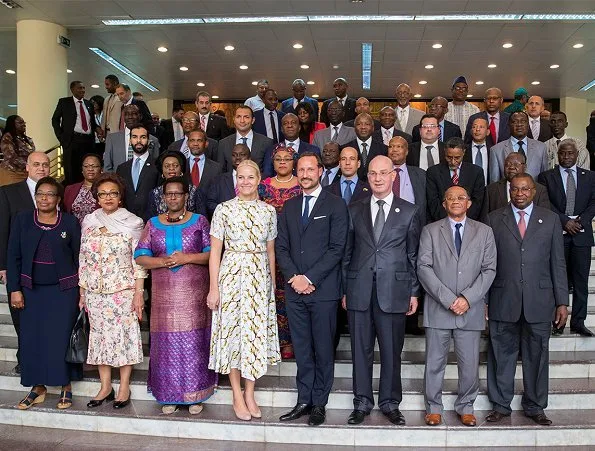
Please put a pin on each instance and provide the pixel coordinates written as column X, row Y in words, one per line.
column 347, row 194
column 244, row 140
column 306, row 213
column 135, row 172
column 458, row 240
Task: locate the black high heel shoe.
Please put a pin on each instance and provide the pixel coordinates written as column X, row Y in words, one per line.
column 97, row 402
column 122, row 404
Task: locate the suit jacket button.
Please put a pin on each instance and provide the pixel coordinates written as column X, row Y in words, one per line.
column 522, row 249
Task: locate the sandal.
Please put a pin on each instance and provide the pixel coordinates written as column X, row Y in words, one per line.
column 65, row 400
column 31, row 399
column 168, row 409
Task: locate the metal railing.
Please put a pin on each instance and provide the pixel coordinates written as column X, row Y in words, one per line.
column 56, row 162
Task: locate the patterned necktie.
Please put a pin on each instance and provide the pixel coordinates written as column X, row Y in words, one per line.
column 326, row 178
column 431, row 161
column 493, row 132
column 458, row 240
column 478, row 157
column 335, row 134
column 273, row 128
column 521, row 150
column 402, row 118
column 203, row 123
column 522, row 223
column 455, row 176
column 364, row 153
column 306, row 213
column 195, row 173
column 135, row 172
column 397, row 183
column 570, row 193
column 380, row 220
column 347, row 193
column 387, row 137
column 84, row 124
column 535, row 128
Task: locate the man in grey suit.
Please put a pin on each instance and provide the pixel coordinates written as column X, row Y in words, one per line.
column 243, row 119
column 117, row 144
column 456, row 265
column 337, row 131
column 407, row 117
column 381, row 289
column 529, row 291
column 534, row 151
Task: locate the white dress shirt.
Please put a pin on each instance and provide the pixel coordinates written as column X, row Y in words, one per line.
column 184, row 148
column 331, row 175
column 387, row 134
column 453, row 229
column 402, row 116
column 206, row 116
column 267, row 123
column 423, row 154
column 31, row 185
column 564, row 175
column 127, row 142
column 528, row 210
column 249, row 137
column 368, row 143
column 484, row 157
column 313, row 200
column 78, row 126
column 388, row 201
column 255, row 103
column 201, row 162
column 295, row 145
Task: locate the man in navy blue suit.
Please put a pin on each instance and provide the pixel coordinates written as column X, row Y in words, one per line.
column 299, row 95
column 267, row 121
column 309, row 250
column 224, row 186
column 290, row 127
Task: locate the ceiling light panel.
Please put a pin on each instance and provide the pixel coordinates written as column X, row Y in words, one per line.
column 118, row 65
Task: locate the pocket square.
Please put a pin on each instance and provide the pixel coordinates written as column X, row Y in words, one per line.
column 319, row 217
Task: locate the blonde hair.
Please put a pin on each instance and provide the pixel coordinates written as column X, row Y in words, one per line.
column 251, row 164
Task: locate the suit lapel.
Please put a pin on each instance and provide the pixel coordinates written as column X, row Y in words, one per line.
column 559, row 183
column 228, row 180
column 581, row 193
column 317, row 207
column 510, row 221
column 468, row 234
column 446, row 233
column 367, row 218
column 502, row 197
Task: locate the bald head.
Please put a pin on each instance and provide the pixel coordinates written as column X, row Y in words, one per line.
column 349, row 162
column 534, row 107
column 403, row 94
column 398, row 148
column 362, row 105
column 381, row 176
column 38, row 165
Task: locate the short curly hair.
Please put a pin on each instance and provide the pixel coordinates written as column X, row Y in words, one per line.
column 111, row 178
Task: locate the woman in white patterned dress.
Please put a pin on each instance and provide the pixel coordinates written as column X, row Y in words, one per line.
column 244, row 337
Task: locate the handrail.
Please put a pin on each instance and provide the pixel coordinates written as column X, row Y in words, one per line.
column 56, row 162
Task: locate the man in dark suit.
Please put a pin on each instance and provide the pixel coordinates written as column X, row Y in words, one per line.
column 290, row 127
column 387, row 130
column 223, row 187
column 365, row 143
column 348, row 103
column 214, row 125
column 454, row 172
column 476, row 151
column 347, row 185
column 529, row 291
column 159, row 130
column 172, row 127
column 362, row 105
column 243, row 119
column 571, row 191
column 538, row 129
column 190, row 122
column 430, row 150
column 125, row 95
column 309, row 248
column 267, row 121
column 140, row 174
column 590, row 129
column 497, row 120
column 439, row 107
column 201, row 169
column 74, row 126
column 299, row 95
column 381, row 289
column 14, row 199
column 498, row 193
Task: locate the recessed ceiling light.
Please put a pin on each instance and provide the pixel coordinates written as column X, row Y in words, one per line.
column 200, row 83
column 243, row 67
column 535, row 82
column 429, row 66
column 554, row 66
column 183, row 68
column 95, row 86
column 417, row 96
column 68, row 71
column 162, row 49
column 254, row 83
column 229, row 48
column 492, row 66
column 479, row 82
column 10, row 71
column 304, row 66
column 335, row 66
column 310, row 82
column 436, row 46
column 507, row 45
column 469, row 96
column 297, row 45
column 315, row 96
column 423, row 82
column 578, row 45
column 214, row 97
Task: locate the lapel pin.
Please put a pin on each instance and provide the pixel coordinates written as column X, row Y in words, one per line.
column 540, row 221
column 63, row 234
column 397, row 210
column 365, row 189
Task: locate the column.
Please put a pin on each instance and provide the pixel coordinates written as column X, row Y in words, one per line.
column 577, row 112
column 41, row 77
column 162, row 107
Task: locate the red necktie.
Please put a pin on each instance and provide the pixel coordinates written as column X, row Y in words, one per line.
column 195, row 173
column 83, row 117
column 203, row 124
column 397, row 183
column 455, row 177
column 493, row 130
column 522, row 224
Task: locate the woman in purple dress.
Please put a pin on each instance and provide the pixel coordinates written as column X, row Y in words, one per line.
column 176, row 246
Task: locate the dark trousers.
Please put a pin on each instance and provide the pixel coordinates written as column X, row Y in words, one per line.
column 578, row 263
column 313, row 325
column 505, row 340
column 364, row 328
column 15, row 314
column 73, row 155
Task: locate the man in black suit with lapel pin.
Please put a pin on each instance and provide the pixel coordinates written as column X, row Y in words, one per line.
column 223, row 187
column 366, row 143
column 430, row 150
column 454, row 172
column 309, row 249
column 571, row 190
column 74, row 126
column 215, row 126
column 439, row 107
column 381, row 288
column 140, row 174
column 347, row 185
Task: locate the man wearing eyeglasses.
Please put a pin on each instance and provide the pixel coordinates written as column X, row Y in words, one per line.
column 456, row 266
column 438, row 108
column 190, row 122
column 14, row 199
column 380, row 289
column 429, row 151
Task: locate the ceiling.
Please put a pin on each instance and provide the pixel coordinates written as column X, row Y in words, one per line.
column 400, row 50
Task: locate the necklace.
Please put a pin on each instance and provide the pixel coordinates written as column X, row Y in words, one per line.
column 284, row 181
column 178, row 219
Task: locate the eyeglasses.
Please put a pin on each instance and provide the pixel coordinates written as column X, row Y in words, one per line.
column 40, row 195
column 429, row 126
column 37, row 164
column 172, row 166
column 108, row 194
column 459, row 198
column 173, row 195
column 282, row 160
column 381, row 174
column 189, row 121
column 522, row 189
column 91, row 166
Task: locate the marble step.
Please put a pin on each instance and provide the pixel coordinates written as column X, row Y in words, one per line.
column 570, row 427
column 280, row 391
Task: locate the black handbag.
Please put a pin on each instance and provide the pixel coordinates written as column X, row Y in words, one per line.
column 79, row 340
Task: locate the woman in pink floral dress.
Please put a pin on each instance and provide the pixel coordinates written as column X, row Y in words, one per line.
column 112, row 288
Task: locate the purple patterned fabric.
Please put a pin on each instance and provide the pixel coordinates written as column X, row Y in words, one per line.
column 180, row 318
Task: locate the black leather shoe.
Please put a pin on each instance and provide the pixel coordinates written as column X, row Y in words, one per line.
column 540, row 418
column 395, row 417
column 17, row 368
column 317, row 416
column 494, row 416
column 557, row 332
column 581, row 330
column 98, row 402
column 357, row 417
column 298, row 411
column 122, row 404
